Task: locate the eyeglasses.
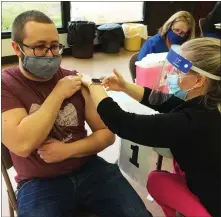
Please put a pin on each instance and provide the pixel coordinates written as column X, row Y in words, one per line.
column 41, row 50
column 179, row 32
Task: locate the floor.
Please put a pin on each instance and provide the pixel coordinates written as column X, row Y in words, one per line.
column 102, row 64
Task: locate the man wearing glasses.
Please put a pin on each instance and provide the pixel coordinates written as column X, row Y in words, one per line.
column 43, row 113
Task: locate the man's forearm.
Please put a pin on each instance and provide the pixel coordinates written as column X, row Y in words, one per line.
column 35, row 128
column 92, row 144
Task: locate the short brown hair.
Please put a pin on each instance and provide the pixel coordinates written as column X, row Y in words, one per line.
column 20, row 21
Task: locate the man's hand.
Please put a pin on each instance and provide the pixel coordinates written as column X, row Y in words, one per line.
column 54, row 151
column 68, row 86
column 19, row 123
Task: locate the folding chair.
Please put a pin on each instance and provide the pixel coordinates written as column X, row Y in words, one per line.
column 201, row 22
column 12, row 201
column 161, row 152
column 6, row 165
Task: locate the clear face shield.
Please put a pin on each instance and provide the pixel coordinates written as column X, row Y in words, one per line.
column 174, row 70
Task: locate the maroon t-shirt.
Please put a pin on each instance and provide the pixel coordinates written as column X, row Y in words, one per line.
column 20, row 92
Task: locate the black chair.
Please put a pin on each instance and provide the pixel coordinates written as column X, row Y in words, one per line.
column 201, row 22
column 132, row 66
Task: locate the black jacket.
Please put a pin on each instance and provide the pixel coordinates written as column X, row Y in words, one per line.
column 189, row 129
column 212, row 18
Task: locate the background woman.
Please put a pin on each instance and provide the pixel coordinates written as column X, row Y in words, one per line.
column 179, row 28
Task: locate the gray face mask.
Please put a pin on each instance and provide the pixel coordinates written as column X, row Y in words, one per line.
column 41, row 67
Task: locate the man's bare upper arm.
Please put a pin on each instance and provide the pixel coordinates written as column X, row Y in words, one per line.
column 92, row 117
column 10, row 120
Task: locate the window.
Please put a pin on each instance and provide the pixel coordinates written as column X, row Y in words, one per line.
column 10, row 10
column 107, row 12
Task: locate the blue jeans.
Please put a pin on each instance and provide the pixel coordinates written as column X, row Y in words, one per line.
column 98, row 186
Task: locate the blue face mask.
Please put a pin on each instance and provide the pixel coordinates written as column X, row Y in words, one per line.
column 174, row 38
column 174, row 87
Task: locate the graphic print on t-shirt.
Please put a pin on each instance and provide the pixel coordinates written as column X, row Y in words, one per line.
column 67, row 117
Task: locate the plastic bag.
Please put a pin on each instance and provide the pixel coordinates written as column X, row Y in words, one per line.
column 152, row 59
column 134, row 29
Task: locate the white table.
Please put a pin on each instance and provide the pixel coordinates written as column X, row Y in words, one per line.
column 135, row 158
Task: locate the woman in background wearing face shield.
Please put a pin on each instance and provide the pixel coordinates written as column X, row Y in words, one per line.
column 179, row 28
column 190, row 128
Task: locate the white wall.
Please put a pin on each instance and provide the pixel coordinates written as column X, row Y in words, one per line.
column 7, row 49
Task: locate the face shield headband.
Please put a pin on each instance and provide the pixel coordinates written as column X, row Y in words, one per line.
column 184, row 65
column 175, row 67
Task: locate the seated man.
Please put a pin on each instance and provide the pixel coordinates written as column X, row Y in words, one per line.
column 43, row 113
